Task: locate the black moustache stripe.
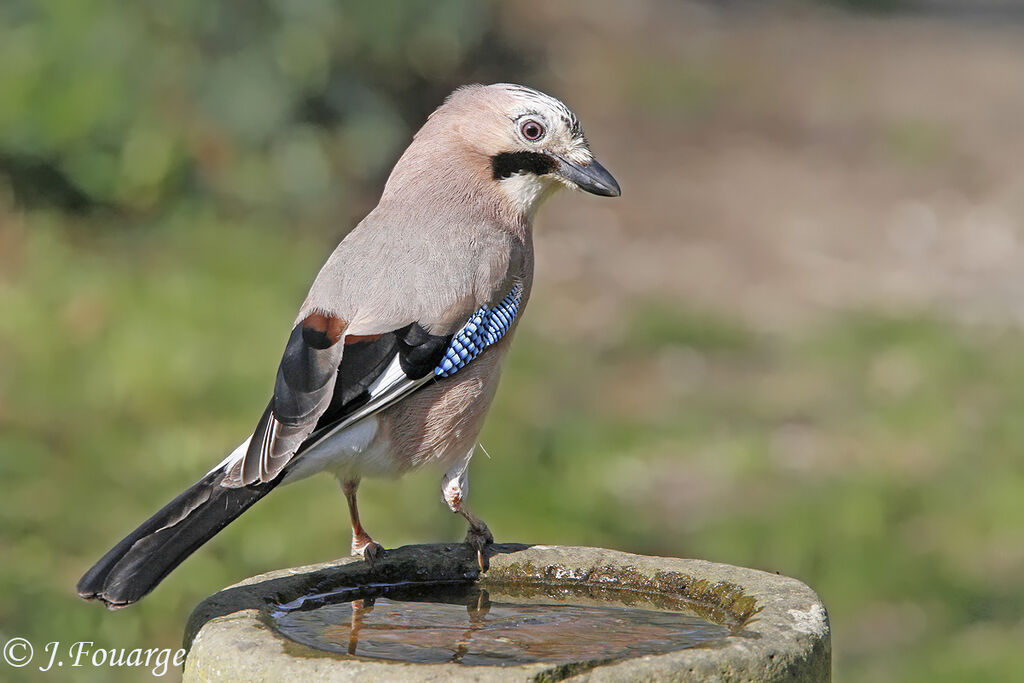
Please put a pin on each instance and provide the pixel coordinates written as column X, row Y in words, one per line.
column 507, row 163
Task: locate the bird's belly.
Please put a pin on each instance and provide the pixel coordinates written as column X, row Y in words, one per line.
column 361, row 450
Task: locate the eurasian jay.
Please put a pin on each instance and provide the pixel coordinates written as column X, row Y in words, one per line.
column 396, row 352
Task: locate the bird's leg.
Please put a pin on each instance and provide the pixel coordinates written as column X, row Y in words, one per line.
column 360, row 608
column 454, row 487
column 362, row 544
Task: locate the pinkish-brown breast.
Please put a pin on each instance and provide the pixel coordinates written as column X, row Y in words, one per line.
column 442, row 421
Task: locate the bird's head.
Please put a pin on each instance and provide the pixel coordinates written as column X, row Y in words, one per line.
column 518, row 143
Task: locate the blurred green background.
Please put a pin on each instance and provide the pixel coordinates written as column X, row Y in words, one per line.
column 793, row 344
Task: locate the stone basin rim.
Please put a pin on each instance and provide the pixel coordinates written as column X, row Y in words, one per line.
column 780, row 626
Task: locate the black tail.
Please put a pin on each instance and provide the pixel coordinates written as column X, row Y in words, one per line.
column 134, row 567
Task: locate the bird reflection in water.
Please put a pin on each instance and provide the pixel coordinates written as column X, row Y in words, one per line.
column 477, row 608
column 467, row 625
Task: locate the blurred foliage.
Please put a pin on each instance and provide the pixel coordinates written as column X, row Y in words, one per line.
column 253, row 104
column 872, row 5
column 157, row 152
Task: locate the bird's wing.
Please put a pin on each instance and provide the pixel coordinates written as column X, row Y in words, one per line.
column 324, row 386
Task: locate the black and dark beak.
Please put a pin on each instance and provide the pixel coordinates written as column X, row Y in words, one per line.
column 591, row 177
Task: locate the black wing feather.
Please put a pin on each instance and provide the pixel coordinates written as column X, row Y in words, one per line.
column 420, row 351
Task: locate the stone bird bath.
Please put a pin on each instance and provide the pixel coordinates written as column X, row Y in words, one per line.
column 540, row 613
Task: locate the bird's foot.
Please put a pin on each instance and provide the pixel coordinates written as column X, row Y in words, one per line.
column 479, row 537
column 368, row 549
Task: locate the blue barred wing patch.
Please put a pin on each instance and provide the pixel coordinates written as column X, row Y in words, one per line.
column 485, row 327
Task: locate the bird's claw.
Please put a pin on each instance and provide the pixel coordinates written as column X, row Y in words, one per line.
column 371, row 551
column 478, row 538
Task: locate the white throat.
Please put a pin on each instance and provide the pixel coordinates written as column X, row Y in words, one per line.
column 527, row 191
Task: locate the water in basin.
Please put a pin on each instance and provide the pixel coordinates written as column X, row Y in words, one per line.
column 469, row 625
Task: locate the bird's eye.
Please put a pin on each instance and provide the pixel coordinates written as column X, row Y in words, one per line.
column 532, row 130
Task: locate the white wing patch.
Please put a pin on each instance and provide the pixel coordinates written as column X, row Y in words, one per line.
column 233, row 457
